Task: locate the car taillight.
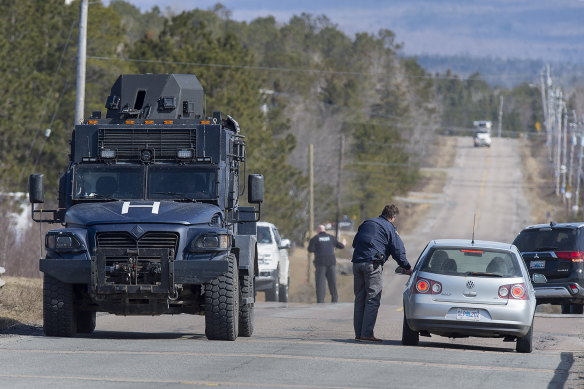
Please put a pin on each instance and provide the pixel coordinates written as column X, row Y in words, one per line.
column 426, row 286
column 574, row 288
column 513, row 291
column 574, row 256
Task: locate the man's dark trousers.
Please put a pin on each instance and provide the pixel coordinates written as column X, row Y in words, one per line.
column 368, row 282
column 326, row 274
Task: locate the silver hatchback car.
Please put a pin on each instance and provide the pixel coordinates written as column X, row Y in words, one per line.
column 462, row 288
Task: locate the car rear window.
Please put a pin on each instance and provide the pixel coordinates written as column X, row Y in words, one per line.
column 548, row 239
column 471, row 262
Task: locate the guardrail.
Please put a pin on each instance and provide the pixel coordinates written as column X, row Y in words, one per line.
column 2, row 282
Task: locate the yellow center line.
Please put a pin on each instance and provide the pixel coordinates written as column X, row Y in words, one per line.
column 169, row 381
column 292, row 357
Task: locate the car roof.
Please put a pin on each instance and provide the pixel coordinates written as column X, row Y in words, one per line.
column 486, row 244
column 265, row 224
column 573, row 225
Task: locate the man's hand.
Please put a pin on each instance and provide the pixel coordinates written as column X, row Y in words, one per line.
column 344, row 242
column 401, row 270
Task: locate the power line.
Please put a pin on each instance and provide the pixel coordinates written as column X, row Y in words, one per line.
column 298, row 70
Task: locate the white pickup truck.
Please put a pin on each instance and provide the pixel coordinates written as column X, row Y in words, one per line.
column 273, row 263
column 2, row 282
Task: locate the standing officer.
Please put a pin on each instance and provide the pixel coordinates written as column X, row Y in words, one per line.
column 323, row 246
column 374, row 242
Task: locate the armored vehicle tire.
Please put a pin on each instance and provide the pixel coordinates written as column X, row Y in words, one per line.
column 59, row 318
column 273, row 294
column 86, row 322
column 245, row 310
column 524, row 344
column 283, row 293
column 409, row 337
column 222, row 305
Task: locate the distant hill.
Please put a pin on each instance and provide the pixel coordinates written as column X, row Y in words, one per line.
column 503, row 72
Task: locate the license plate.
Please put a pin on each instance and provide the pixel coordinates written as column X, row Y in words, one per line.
column 537, row 265
column 467, row 314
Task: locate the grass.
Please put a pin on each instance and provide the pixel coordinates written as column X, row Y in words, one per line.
column 21, row 302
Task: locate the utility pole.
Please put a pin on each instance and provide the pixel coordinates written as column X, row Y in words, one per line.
column 310, row 203
column 81, row 58
column 500, row 114
column 579, row 170
column 546, row 123
column 564, row 166
column 580, row 141
column 558, row 130
column 339, row 175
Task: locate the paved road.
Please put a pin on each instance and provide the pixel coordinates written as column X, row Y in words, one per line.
column 312, row 346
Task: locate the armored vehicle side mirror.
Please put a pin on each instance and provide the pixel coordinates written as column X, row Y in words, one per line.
column 255, row 188
column 36, row 189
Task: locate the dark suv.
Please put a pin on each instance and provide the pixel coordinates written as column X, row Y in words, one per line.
column 554, row 256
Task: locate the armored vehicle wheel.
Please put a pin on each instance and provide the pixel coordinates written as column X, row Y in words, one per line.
column 273, row 294
column 59, row 318
column 409, row 337
column 222, row 305
column 283, row 297
column 245, row 310
column 86, row 322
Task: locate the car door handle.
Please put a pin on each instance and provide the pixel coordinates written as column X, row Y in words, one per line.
column 470, row 294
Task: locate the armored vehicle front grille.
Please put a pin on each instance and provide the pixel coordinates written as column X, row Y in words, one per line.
column 129, row 142
column 150, row 240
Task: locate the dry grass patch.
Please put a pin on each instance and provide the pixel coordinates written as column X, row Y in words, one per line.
column 539, row 183
column 21, row 301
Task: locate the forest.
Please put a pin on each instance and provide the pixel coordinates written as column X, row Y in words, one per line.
column 288, row 85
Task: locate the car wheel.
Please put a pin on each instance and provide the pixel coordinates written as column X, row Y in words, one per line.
column 273, row 294
column 566, row 309
column 409, row 337
column 283, row 298
column 524, row 344
column 572, row 308
column 578, row 308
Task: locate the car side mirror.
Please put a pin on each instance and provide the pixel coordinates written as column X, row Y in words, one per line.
column 255, row 188
column 284, row 244
column 36, row 189
column 538, row 278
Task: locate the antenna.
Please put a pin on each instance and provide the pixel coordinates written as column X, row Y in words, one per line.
column 473, row 226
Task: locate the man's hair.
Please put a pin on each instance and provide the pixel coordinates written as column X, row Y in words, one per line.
column 390, row 211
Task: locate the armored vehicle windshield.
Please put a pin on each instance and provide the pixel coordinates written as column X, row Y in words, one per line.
column 151, row 182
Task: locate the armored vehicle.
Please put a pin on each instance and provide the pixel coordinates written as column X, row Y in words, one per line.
column 150, row 205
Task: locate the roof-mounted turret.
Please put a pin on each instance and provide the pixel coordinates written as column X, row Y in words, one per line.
column 156, row 96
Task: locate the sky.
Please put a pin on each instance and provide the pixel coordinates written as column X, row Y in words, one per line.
column 550, row 30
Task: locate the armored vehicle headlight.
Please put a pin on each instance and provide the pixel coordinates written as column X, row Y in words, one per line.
column 185, row 154
column 107, row 153
column 62, row 241
column 211, row 242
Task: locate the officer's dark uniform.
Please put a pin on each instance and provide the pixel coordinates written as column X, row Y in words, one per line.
column 323, row 246
column 375, row 241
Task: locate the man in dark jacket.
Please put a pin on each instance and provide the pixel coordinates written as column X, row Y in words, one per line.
column 375, row 241
column 323, row 246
